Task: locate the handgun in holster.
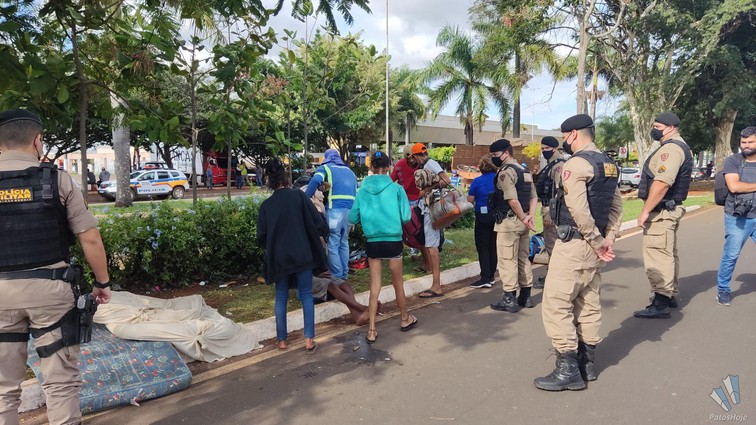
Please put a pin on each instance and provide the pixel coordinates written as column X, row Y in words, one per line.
column 76, row 325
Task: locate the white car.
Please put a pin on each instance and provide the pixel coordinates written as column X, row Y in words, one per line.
column 630, row 176
column 147, row 183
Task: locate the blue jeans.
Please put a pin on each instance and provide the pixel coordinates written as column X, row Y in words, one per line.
column 304, row 292
column 338, row 242
column 737, row 232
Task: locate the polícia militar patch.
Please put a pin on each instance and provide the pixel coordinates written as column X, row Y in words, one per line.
column 22, row 194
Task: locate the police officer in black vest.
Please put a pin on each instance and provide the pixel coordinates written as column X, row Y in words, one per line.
column 549, row 178
column 664, row 184
column 42, row 211
column 587, row 210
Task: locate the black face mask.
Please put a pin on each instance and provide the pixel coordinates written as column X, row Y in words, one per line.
column 567, row 148
column 497, row 161
column 548, row 154
column 657, row 134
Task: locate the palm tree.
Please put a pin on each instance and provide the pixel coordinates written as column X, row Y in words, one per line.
column 508, row 40
column 462, row 77
column 303, row 8
column 408, row 107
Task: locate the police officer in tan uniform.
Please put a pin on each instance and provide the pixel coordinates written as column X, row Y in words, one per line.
column 588, row 212
column 514, row 206
column 549, row 178
column 664, row 184
column 42, row 210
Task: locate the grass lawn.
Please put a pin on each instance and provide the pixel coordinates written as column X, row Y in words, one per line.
column 246, row 302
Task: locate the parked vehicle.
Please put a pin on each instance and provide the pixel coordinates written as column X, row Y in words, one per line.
column 154, row 165
column 698, row 174
column 159, row 183
column 630, row 176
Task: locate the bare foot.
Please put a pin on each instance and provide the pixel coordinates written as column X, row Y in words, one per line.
column 282, row 345
column 362, row 319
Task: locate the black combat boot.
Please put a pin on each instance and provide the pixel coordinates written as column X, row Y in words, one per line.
column 508, row 303
column 540, row 282
column 659, row 309
column 566, row 375
column 523, row 300
column 586, row 354
column 672, row 301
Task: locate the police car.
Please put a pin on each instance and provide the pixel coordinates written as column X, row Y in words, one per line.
column 150, row 183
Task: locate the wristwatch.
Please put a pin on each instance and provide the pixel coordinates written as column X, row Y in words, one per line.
column 102, row 285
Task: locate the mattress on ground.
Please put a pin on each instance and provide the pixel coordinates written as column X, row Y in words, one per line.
column 117, row 372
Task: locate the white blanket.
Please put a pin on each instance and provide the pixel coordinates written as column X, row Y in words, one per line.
column 194, row 328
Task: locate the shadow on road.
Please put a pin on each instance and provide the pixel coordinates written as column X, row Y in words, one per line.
column 633, row 331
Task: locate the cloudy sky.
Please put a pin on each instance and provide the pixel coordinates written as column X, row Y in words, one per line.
column 413, row 26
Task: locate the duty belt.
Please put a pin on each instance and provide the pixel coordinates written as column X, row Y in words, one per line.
column 668, row 205
column 63, row 273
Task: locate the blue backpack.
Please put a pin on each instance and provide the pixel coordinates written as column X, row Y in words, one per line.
column 537, row 245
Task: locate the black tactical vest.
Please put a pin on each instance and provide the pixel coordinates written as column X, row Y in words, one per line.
column 545, row 186
column 600, row 191
column 33, row 224
column 496, row 199
column 679, row 190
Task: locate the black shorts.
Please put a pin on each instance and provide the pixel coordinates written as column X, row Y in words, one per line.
column 384, row 250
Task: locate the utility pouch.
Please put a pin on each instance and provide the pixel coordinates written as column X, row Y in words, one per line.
column 566, row 233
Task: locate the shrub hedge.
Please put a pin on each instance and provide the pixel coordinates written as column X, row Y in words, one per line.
column 175, row 246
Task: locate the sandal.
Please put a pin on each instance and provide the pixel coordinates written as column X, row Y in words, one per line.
column 313, row 349
column 428, row 293
column 282, row 345
column 371, row 341
column 410, row 326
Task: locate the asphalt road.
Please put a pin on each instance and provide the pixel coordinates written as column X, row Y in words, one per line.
column 467, row 364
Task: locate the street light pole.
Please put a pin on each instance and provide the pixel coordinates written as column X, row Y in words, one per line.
column 388, row 141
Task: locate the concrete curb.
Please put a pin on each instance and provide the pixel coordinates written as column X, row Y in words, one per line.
column 266, row 328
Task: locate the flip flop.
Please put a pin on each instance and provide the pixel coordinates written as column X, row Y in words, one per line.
column 371, row 341
column 429, row 294
column 410, row 326
column 282, row 345
column 312, row 349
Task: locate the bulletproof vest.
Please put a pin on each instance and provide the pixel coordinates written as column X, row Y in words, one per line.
column 600, row 190
column 678, row 192
column 545, row 186
column 523, row 188
column 33, row 224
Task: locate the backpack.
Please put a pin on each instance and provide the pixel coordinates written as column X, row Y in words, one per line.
column 537, row 245
column 721, row 191
column 413, row 233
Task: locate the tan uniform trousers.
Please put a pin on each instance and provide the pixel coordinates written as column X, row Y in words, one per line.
column 549, row 238
column 513, row 248
column 571, row 306
column 660, row 251
column 51, row 300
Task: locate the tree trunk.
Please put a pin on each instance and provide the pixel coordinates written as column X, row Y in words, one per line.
column 83, row 109
column 516, row 119
column 407, row 132
column 723, row 148
column 582, row 53
column 121, row 152
column 468, row 134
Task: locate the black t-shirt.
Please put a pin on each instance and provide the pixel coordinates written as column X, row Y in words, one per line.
column 732, row 166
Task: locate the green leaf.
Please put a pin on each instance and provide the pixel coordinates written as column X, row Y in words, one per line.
column 62, row 94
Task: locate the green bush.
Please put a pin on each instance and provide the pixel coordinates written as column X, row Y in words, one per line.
column 175, row 246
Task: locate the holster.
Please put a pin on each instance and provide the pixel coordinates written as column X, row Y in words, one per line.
column 566, row 233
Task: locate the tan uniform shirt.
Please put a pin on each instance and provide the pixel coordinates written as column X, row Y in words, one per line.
column 80, row 219
column 555, row 174
column 576, row 173
column 665, row 163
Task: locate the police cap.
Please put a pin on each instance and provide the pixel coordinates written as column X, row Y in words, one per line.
column 550, row 141
column 577, row 122
column 499, row 146
column 668, row 118
column 18, row 115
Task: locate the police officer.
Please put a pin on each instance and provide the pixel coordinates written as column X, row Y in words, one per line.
column 42, row 211
column 664, row 184
column 549, row 179
column 587, row 213
column 514, row 206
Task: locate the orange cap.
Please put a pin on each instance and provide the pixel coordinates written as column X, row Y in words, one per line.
column 418, row 148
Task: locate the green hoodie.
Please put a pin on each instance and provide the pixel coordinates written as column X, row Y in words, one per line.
column 382, row 207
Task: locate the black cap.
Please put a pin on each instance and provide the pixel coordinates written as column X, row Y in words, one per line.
column 577, row 122
column 550, row 141
column 499, row 146
column 668, row 118
column 18, row 115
